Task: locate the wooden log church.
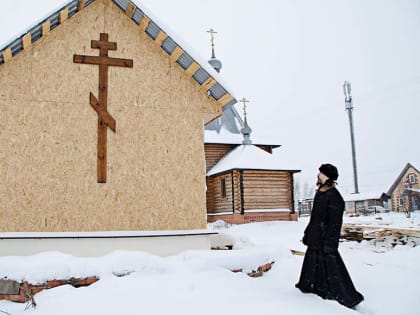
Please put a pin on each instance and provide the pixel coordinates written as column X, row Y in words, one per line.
column 102, row 134
column 245, row 182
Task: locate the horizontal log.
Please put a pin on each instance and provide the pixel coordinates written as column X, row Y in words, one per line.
column 259, row 191
column 265, row 178
column 264, row 202
column 265, row 172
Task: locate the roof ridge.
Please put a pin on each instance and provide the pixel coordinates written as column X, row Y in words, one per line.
column 398, row 179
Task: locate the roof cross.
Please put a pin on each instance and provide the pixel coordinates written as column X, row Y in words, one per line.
column 212, row 32
column 105, row 119
column 244, row 100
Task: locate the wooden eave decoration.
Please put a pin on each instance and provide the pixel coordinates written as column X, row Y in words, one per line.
column 144, row 23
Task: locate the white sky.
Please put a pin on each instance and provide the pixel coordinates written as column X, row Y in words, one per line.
column 290, row 59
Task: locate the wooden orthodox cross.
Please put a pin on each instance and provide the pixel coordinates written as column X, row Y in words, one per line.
column 244, row 100
column 105, row 119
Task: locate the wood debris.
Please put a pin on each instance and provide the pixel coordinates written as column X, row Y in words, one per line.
column 23, row 292
column 375, row 234
column 256, row 273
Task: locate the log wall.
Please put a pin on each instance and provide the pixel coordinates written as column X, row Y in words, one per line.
column 215, row 201
column 214, row 152
column 258, row 189
column 267, row 190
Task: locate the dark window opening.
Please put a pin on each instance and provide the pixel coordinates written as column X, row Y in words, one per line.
column 223, row 188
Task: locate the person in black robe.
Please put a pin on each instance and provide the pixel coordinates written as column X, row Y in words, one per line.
column 323, row 270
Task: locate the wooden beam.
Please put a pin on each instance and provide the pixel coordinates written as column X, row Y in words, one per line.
column 81, row 5
column 97, row 60
column 7, row 54
column 192, row 68
column 130, row 9
column 176, row 54
column 27, row 41
column 144, row 23
column 160, row 38
column 64, row 14
column 46, row 27
column 225, row 99
column 208, row 84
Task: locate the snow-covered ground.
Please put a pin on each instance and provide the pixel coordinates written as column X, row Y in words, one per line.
column 200, row 282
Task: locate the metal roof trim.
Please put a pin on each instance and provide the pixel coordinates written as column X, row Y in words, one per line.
column 36, row 31
column 153, row 29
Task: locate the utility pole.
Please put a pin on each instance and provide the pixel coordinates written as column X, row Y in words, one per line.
column 349, row 107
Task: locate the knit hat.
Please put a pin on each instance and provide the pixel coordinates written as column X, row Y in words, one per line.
column 329, row 170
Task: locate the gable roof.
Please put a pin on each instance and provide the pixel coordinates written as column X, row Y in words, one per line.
column 398, row 180
column 202, row 73
column 249, row 157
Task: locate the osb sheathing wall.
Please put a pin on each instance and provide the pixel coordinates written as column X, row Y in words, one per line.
column 48, row 134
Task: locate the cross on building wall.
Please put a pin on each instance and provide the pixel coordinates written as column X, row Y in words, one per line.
column 100, row 104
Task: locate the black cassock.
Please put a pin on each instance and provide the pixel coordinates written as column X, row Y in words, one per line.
column 323, row 269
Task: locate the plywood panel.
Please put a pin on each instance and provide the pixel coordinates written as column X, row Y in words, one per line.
column 48, row 141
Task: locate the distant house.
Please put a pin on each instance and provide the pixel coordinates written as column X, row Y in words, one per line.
column 405, row 191
column 358, row 203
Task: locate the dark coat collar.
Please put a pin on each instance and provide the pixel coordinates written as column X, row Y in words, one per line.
column 326, row 187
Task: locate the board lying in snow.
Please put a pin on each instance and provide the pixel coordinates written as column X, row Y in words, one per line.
column 23, row 292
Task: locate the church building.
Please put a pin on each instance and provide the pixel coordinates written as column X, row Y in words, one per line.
column 245, row 181
column 102, row 134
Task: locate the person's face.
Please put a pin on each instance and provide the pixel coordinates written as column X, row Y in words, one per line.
column 322, row 178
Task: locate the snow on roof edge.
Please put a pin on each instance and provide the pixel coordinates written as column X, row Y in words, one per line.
column 176, row 38
column 248, row 157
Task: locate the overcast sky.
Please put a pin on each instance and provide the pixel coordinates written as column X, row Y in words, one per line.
column 290, row 59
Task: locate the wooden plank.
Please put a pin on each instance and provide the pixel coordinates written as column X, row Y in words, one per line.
column 176, row 54
column 64, row 14
column 97, row 60
column 97, row 44
column 81, row 5
column 27, row 41
column 130, row 9
column 7, row 54
column 46, row 27
column 144, row 23
column 102, row 113
column 297, row 252
column 192, row 69
column 160, row 38
column 413, row 232
column 208, row 84
column 225, row 99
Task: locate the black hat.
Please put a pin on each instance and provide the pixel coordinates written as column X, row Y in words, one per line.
column 329, row 170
